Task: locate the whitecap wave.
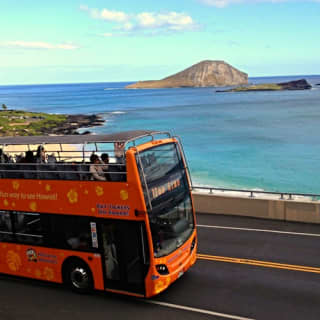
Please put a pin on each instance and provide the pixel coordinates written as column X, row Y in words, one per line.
column 118, row 112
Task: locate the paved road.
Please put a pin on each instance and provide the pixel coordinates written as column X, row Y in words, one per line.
column 214, row 289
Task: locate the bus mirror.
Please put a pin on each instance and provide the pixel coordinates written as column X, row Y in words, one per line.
column 139, row 213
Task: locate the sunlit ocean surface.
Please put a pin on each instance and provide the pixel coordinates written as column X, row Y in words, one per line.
column 249, row 140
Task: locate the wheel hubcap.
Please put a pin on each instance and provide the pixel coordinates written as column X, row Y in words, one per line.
column 80, row 278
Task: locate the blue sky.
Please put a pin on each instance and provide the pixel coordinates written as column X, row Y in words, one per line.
column 125, row 40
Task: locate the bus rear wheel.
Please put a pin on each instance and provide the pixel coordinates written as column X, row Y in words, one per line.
column 79, row 277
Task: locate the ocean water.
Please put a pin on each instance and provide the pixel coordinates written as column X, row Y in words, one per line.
column 247, row 140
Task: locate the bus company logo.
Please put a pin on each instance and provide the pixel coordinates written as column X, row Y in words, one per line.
column 113, row 209
column 32, row 255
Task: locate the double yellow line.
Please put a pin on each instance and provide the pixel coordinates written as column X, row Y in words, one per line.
column 259, row 263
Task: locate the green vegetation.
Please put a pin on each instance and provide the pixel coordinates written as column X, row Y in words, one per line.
column 259, row 87
column 14, row 122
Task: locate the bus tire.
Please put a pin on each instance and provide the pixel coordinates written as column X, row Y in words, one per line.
column 78, row 276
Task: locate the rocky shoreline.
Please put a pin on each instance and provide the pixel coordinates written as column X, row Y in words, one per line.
column 75, row 122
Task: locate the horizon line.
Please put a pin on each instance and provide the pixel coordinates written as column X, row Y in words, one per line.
column 133, row 81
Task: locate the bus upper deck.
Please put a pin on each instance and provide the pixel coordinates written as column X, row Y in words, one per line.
column 69, row 157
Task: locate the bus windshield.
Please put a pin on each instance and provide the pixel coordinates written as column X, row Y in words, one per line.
column 167, row 196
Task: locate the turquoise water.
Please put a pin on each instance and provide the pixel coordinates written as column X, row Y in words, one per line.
column 256, row 140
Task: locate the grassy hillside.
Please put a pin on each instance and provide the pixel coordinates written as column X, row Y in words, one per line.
column 14, row 122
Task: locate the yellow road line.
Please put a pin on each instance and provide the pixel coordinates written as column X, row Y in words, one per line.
column 259, row 263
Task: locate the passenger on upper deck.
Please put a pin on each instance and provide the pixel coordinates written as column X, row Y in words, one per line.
column 3, row 157
column 41, row 156
column 29, row 158
column 119, row 151
column 105, row 161
column 96, row 169
column 105, row 167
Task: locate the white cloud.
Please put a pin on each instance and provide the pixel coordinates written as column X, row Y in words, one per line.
column 168, row 20
column 37, row 45
column 105, row 14
column 117, row 16
column 224, row 3
column 146, row 23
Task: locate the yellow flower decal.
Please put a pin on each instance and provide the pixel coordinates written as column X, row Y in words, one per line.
column 48, row 273
column 48, row 187
column 86, row 192
column 33, row 206
column 72, row 196
column 37, row 273
column 99, row 191
column 93, row 210
column 15, row 185
column 13, row 260
column 5, row 202
column 124, row 195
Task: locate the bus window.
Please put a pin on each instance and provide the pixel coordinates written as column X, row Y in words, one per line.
column 28, row 227
column 170, row 214
column 70, row 232
column 5, row 226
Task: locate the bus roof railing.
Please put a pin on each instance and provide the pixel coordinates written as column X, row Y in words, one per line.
column 124, row 136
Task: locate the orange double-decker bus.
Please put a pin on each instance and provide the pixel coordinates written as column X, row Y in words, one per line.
column 126, row 225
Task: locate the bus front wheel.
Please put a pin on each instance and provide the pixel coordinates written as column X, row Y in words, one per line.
column 78, row 276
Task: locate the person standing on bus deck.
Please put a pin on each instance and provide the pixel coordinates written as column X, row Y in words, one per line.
column 119, row 151
column 96, row 168
column 41, row 156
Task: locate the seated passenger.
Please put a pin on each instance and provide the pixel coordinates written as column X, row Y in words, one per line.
column 29, row 158
column 105, row 160
column 3, row 157
column 105, row 167
column 96, row 169
column 52, row 158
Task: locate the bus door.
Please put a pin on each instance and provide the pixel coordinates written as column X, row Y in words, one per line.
column 125, row 255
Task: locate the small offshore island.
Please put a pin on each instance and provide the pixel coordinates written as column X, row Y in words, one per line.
column 207, row 73
column 24, row 123
column 301, row 84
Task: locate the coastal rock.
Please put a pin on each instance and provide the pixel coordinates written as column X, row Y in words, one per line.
column 203, row 74
column 75, row 122
column 301, row 84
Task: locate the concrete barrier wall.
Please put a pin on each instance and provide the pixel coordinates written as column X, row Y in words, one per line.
column 287, row 210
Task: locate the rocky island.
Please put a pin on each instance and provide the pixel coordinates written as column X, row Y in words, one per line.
column 301, row 84
column 22, row 123
column 206, row 73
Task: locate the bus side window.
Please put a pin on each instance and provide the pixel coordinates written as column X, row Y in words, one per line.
column 71, row 232
column 5, row 226
column 28, row 227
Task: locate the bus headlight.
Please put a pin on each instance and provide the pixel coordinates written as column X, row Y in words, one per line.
column 162, row 269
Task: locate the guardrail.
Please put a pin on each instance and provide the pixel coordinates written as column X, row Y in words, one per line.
column 252, row 193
